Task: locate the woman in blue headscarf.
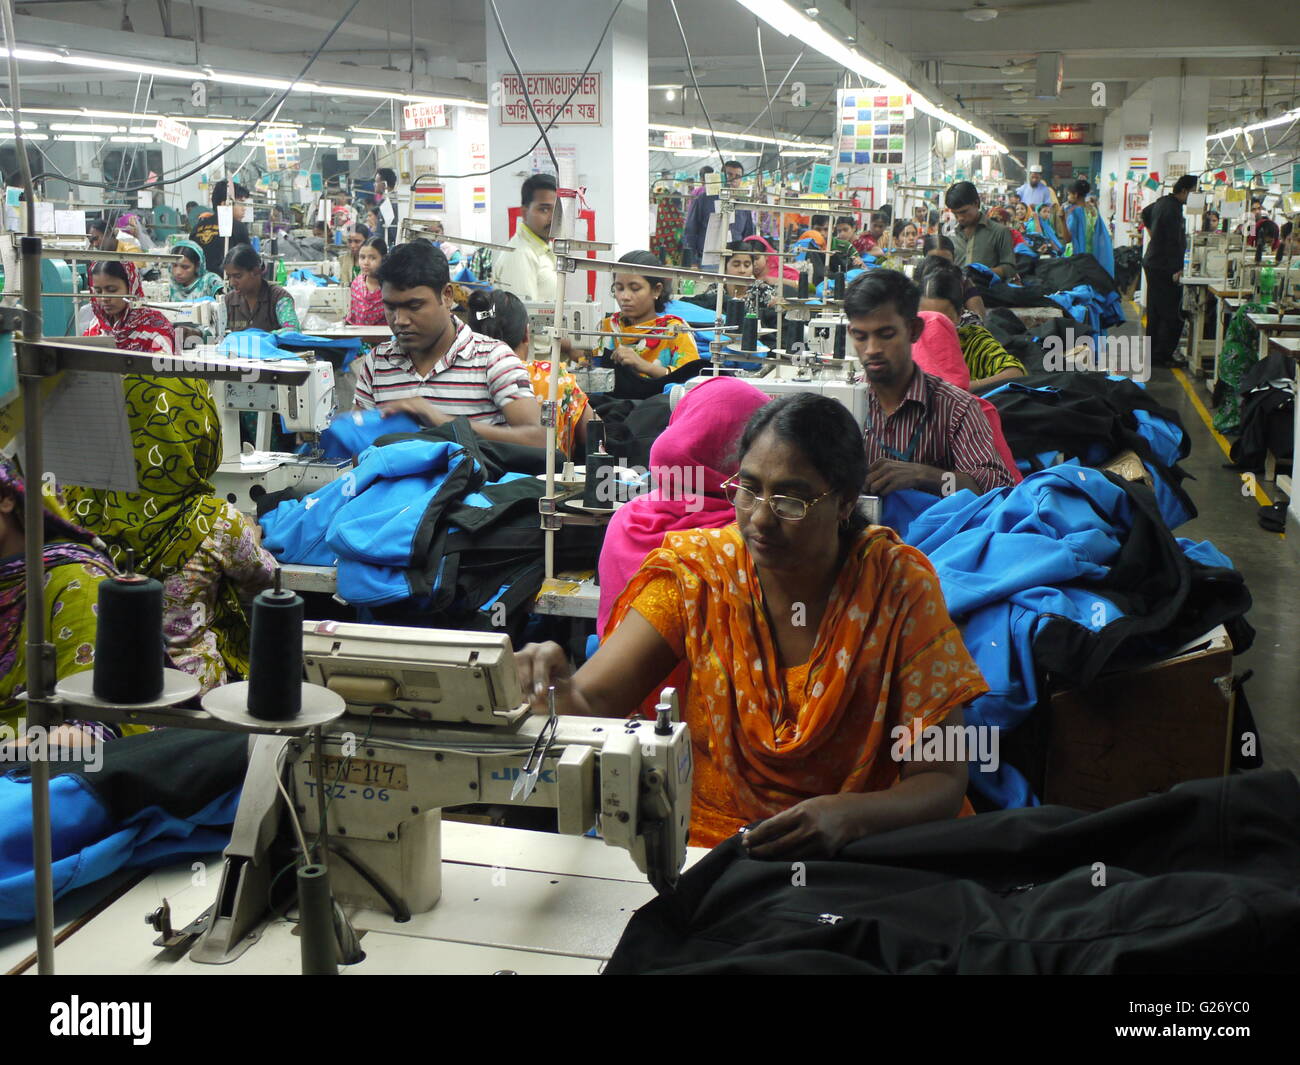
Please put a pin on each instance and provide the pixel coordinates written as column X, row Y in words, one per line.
column 1082, row 226
column 191, row 278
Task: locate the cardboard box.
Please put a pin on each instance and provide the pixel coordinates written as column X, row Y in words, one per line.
column 1141, row 731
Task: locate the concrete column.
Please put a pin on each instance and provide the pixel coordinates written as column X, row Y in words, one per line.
column 611, row 158
column 459, row 149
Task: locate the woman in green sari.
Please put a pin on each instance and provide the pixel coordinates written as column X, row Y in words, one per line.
column 202, row 550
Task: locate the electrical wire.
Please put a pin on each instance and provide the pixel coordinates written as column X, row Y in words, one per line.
column 690, row 65
column 523, row 86
column 163, row 179
column 532, row 147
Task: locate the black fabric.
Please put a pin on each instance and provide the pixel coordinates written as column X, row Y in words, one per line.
column 1204, row 878
column 1272, row 518
column 498, row 458
column 1081, row 412
column 632, row 426
column 176, row 769
column 1128, row 267
column 1058, row 275
column 1010, row 332
column 1164, row 313
column 1267, row 425
column 628, row 384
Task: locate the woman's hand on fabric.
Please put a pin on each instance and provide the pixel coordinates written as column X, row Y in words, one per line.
column 540, row 665
column 625, row 356
column 814, row 828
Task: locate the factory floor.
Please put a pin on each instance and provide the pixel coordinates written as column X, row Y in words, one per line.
column 1270, row 565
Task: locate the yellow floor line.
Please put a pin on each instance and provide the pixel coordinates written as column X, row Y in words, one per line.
column 1190, row 388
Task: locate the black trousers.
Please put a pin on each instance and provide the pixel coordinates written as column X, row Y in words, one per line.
column 1164, row 314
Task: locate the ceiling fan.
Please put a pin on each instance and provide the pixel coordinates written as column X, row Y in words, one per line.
column 980, row 11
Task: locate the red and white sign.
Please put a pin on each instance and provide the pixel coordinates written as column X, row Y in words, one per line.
column 169, row 131
column 548, row 93
column 425, row 116
column 348, row 154
column 1066, row 134
column 676, row 140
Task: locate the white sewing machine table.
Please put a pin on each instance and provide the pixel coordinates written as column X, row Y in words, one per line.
column 514, row 900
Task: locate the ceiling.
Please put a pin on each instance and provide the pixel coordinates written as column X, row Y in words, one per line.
column 438, row 46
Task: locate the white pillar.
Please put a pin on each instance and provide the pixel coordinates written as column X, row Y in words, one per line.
column 1180, row 111
column 611, row 158
column 459, row 149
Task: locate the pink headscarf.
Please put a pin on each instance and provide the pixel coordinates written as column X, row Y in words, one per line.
column 688, row 462
column 789, row 273
column 939, row 352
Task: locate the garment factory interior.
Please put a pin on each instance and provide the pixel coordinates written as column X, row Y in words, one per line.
column 649, row 486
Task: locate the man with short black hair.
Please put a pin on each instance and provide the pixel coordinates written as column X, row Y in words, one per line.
column 529, row 270
column 702, row 207
column 1163, row 266
column 977, row 238
column 435, row 367
column 921, row 432
column 207, row 232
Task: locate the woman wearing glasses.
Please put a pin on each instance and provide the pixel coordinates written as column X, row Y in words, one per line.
column 817, row 649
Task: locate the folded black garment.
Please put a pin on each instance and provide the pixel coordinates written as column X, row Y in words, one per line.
column 1202, row 879
column 496, row 457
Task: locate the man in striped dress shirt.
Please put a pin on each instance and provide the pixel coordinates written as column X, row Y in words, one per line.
column 435, row 367
column 921, row 432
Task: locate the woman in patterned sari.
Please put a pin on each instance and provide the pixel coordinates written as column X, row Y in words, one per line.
column 74, row 569
column 818, row 649
column 202, row 550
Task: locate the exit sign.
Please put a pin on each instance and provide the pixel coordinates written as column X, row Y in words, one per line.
column 1069, row 134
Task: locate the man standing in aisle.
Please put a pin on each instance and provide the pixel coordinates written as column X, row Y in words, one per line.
column 702, row 207
column 529, row 270
column 1035, row 192
column 1163, row 266
column 977, row 238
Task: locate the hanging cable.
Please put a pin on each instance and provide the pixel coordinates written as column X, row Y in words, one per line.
column 523, row 86
column 690, row 65
column 274, row 103
column 532, row 147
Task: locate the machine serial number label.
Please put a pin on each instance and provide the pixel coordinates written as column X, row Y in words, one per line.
column 362, row 771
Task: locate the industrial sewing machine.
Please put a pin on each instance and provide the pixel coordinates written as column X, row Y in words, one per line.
column 436, row 718
column 578, row 317
column 810, row 371
column 243, row 478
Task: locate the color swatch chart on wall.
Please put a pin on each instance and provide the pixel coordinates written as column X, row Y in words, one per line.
column 873, row 126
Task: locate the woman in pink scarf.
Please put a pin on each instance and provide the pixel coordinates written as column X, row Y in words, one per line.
column 774, row 267
column 688, row 464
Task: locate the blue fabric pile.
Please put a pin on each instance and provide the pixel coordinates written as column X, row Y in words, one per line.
column 1044, row 577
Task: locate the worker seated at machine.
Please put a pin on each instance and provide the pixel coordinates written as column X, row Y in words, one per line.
column 367, row 301
column 807, row 636
column 921, row 432
column 252, row 302
column 989, row 363
column 191, row 279
column 436, row 368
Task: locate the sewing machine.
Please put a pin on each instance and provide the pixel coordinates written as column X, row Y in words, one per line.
column 330, row 301
column 436, row 718
column 242, row 478
column 578, row 317
column 807, row 373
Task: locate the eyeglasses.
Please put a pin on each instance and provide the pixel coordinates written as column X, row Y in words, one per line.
column 787, row 508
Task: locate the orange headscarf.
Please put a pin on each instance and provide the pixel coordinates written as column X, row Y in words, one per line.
column 886, row 653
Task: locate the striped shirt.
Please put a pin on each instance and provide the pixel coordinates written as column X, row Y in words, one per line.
column 955, row 435
column 983, row 354
column 475, row 379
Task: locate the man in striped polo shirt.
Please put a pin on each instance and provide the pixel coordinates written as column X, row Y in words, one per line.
column 435, row 367
column 921, row 432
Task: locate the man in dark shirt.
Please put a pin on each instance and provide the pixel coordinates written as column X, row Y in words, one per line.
column 702, row 206
column 206, row 233
column 1163, row 266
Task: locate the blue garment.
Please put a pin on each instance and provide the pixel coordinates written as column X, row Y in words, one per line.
column 88, row 845
column 1102, row 248
column 352, row 432
column 395, row 481
column 1012, row 561
column 259, row 344
column 309, row 277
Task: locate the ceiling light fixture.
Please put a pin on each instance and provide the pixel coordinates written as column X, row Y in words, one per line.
column 791, row 23
column 36, row 55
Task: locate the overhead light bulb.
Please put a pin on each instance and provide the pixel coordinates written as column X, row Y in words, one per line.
column 981, row 14
column 670, row 95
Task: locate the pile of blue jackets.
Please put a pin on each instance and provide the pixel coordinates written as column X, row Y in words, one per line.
column 1068, row 573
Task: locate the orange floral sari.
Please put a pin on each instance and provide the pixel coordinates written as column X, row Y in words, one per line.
column 765, row 738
